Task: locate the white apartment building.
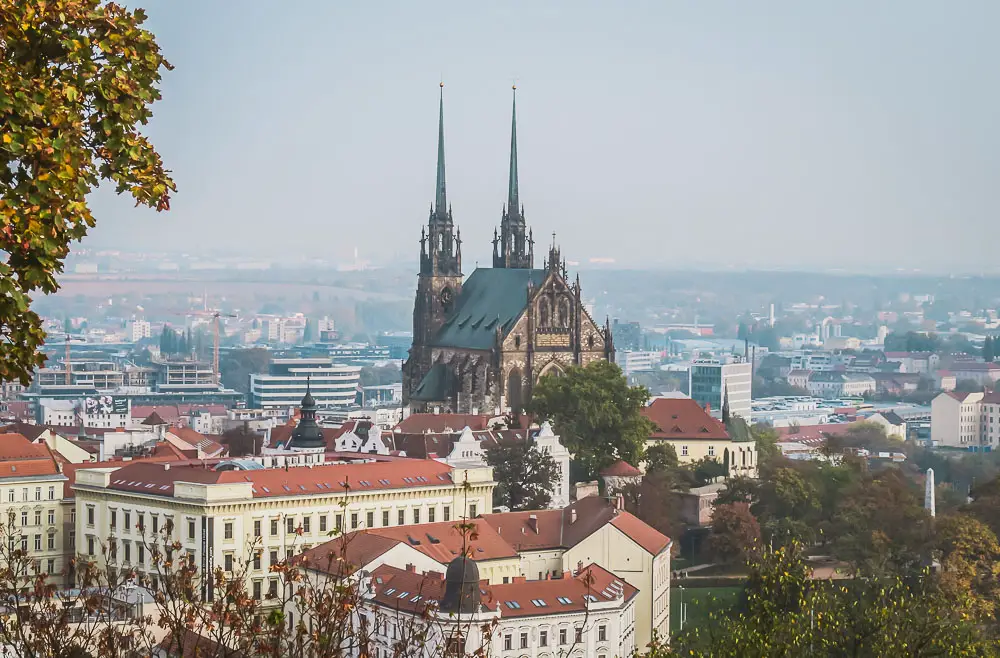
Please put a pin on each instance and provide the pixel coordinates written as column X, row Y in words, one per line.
column 955, row 420
column 710, row 382
column 632, row 362
column 585, row 613
column 137, row 330
column 840, row 384
column 237, row 512
column 285, row 384
column 989, row 421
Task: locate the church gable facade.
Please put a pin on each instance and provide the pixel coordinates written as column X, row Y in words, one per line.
column 480, row 345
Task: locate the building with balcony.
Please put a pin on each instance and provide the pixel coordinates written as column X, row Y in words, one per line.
column 284, row 385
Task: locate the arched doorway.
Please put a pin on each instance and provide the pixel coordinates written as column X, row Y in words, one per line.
column 514, row 400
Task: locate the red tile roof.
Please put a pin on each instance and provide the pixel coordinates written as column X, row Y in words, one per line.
column 805, row 432
column 683, row 418
column 346, row 554
column 155, row 479
column 443, row 422
column 557, row 528
column 621, row 468
column 17, row 446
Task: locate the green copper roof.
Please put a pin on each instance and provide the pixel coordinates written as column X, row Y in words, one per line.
column 436, row 385
column 512, row 202
column 490, row 297
column 440, row 198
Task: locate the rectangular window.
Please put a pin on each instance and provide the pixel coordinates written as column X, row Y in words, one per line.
column 190, row 528
column 141, row 550
column 290, row 524
column 274, row 558
column 256, row 528
column 38, row 542
column 473, row 511
column 508, row 642
column 401, row 517
column 51, row 566
column 52, row 542
column 272, row 589
column 562, row 636
column 339, row 522
column 416, row 516
column 543, row 638
column 370, row 519
column 385, row 517
column 256, row 561
column 38, row 517
column 156, row 523
column 24, row 494
column 602, row 633
column 579, row 635
column 38, row 493
column 140, row 521
column 24, row 519
column 52, row 493
column 228, row 562
column 256, row 590
column 711, row 451
column 113, row 519
column 10, row 496
column 72, row 540
column 430, row 515
column 447, row 512
column 322, row 522
column 128, row 521
column 354, row 520
column 228, row 530
column 128, row 551
column 684, row 451
column 524, row 640
column 24, row 544
column 306, row 523
column 274, row 527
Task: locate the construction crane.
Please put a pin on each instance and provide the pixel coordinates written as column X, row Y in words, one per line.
column 69, row 340
column 215, row 315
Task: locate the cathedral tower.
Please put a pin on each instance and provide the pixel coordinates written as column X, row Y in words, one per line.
column 514, row 247
column 440, row 279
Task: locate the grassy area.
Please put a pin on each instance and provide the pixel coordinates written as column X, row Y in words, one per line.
column 700, row 602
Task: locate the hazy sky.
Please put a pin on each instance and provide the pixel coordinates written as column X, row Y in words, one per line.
column 656, row 133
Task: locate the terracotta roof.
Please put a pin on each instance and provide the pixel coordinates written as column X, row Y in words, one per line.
column 198, row 440
column 438, row 445
column 154, row 419
column 559, row 595
column 557, row 528
column 167, row 412
column 416, row 423
column 959, row 395
column 346, row 554
column 804, row 432
column 30, row 432
column 683, row 418
column 69, row 470
column 621, row 468
column 405, row 590
column 443, row 542
column 193, row 645
column 16, row 446
column 156, row 480
column 20, row 468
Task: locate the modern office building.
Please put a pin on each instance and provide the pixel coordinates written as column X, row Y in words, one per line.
column 285, row 383
column 711, row 380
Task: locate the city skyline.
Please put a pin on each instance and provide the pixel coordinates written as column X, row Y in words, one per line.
column 825, row 141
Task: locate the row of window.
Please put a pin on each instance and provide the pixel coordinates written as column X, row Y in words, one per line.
column 543, row 637
column 50, row 544
column 51, row 516
column 12, row 493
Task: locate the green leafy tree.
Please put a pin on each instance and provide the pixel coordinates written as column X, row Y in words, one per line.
column 524, row 475
column 767, row 443
column 77, row 80
column 597, row 413
column 988, row 350
column 788, row 506
column 970, row 564
column 237, row 366
column 661, row 457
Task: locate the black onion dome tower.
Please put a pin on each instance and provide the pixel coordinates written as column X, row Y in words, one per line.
column 461, row 592
column 308, row 434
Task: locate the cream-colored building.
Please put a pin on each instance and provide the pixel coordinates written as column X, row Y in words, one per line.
column 236, row 512
column 31, row 502
column 955, row 420
column 591, row 531
column 695, row 435
column 989, row 420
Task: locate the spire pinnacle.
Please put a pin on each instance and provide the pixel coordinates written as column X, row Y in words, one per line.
column 512, row 198
column 440, row 198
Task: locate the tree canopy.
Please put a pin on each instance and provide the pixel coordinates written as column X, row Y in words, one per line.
column 524, row 475
column 597, row 414
column 77, row 81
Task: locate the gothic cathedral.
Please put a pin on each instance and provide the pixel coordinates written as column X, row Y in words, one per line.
column 480, row 345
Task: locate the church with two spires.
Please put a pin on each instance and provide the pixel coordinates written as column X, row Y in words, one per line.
column 480, row 344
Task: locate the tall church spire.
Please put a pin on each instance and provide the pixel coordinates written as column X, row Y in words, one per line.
column 512, row 201
column 440, row 198
column 515, row 251
column 439, row 254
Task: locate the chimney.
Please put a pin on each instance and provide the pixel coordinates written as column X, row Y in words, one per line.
column 475, row 411
column 619, row 502
column 437, row 410
column 567, row 574
column 533, row 522
column 411, row 568
column 708, row 408
column 572, row 515
column 519, row 579
column 166, row 467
